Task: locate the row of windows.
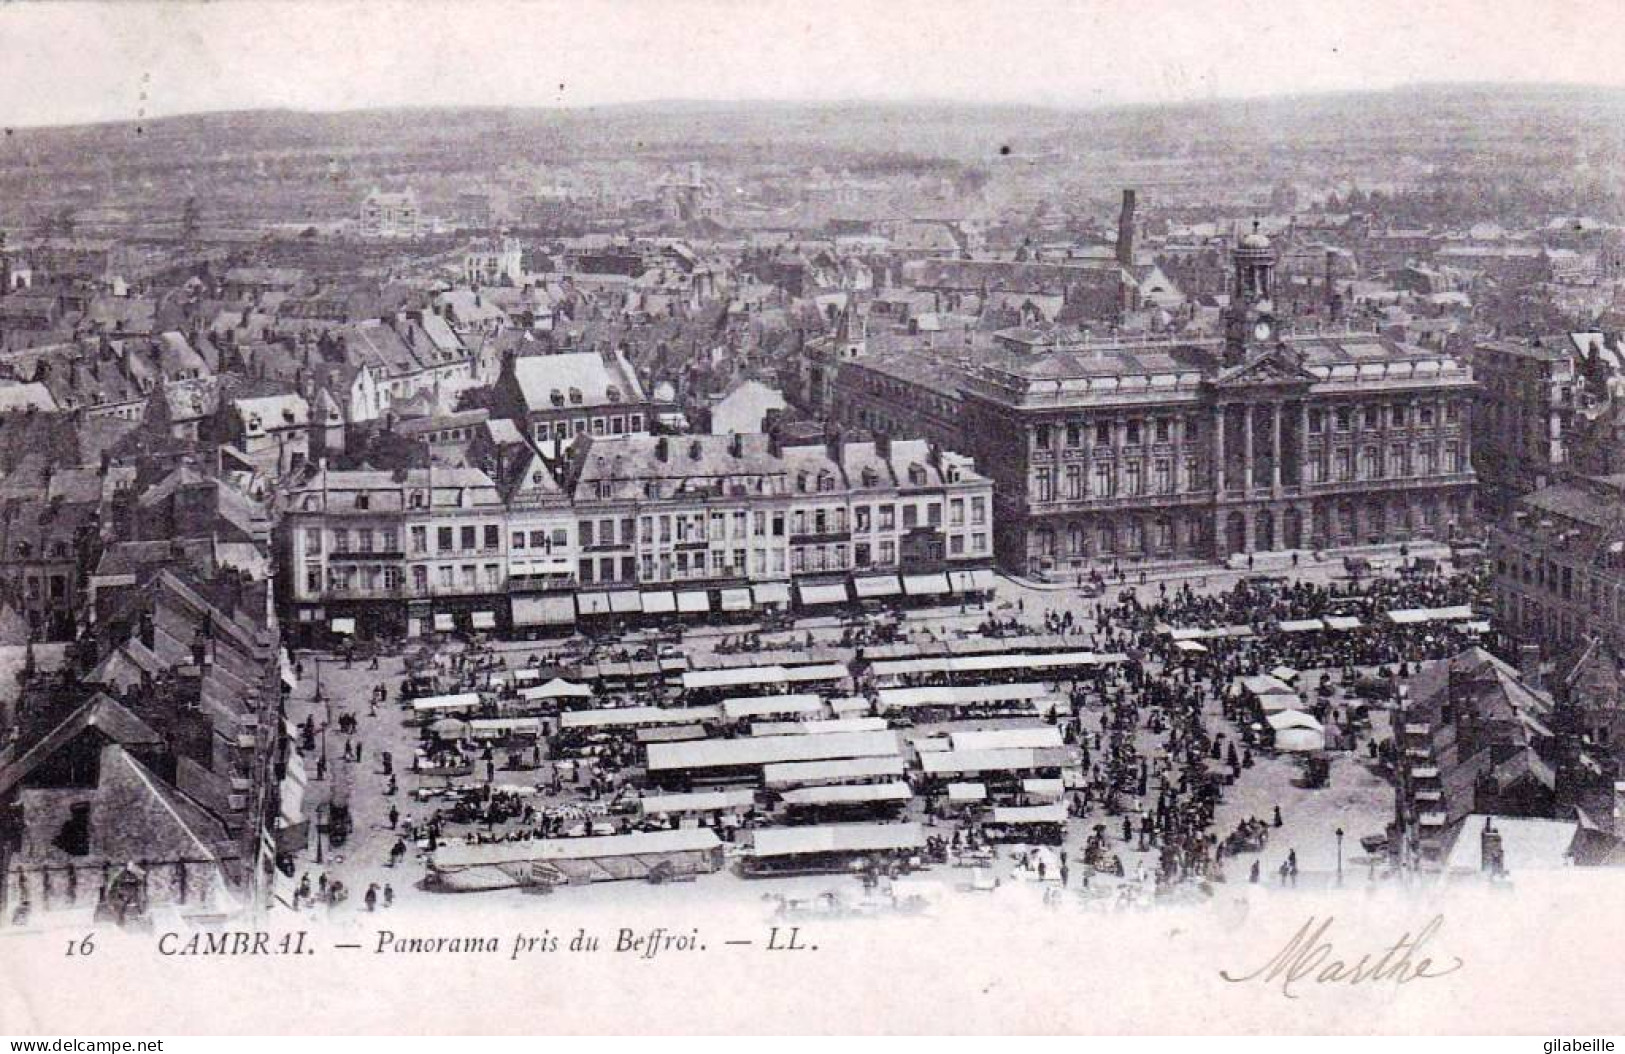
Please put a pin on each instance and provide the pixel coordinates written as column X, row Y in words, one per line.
column 1400, row 415
column 1135, row 431
column 1401, row 462
column 367, row 578
column 676, row 527
column 1110, row 479
column 1160, row 429
column 615, row 424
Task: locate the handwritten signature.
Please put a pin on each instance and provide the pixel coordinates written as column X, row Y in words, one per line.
column 1310, row 957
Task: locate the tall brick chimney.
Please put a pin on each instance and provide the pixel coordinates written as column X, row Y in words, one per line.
column 1125, row 231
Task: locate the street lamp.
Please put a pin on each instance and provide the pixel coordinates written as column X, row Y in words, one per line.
column 1340, row 856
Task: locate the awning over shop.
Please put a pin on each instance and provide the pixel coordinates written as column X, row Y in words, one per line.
column 444, row 622
column 926, row 585
column 977, row 581
column 485, row 620
column 659, row 602
column 772, row 593
column 343, row 625
column 827, row 593
column 693, row 601
column 877, row 586
column 735, row 600
column 592, row 603
column 543, row 611
column 625, row 602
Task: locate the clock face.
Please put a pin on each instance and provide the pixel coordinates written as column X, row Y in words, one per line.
column 1262, row 331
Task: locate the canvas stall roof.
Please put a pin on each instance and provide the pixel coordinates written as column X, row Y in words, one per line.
column 960, row 695
column 764, row 705
column 461, row 701
column 733, row 678
column 634, row 716
column 698, row 801
column 1019, row 759
column 735, row 753
column 557, row 688
column 641, row 843
column 824, row 671
column 1044, row 788
column 1293, row 719
column 849, row 794
column 818, row 728
column 801, row 773
column 836, row 838
column 1007, row 738
column 1302, row 625
column 1030, row 814
column 967, row 792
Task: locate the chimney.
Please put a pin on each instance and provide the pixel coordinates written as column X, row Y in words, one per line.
column 1331, row 276
column 662, row 449
column 832, row 442
column 1125, row 230
column 1492, row 860
column 883, row 446
column 736, row 444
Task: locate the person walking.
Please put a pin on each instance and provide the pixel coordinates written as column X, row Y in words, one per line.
column 394, row 817
column 372, row 897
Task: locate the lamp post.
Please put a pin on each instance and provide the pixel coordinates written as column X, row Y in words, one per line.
column 1340, row 856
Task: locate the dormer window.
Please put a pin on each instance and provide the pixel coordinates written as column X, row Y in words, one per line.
column 363, row 501
column 575, row 396
column 612, row 393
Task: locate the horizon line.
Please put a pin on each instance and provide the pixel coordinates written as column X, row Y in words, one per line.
column 856, row 101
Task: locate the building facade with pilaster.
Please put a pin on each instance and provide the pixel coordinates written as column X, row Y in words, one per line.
column 1123, row 451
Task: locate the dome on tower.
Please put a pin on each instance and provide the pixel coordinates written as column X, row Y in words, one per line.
column 1255, row 241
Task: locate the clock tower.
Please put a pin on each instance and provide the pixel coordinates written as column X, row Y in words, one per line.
column 1249, row 321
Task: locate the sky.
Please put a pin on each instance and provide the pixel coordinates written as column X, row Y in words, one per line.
column 71, row 62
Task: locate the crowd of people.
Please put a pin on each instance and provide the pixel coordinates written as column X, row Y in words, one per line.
column 1159, row 741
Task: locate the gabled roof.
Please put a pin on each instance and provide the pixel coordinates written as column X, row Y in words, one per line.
column 103, row 713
